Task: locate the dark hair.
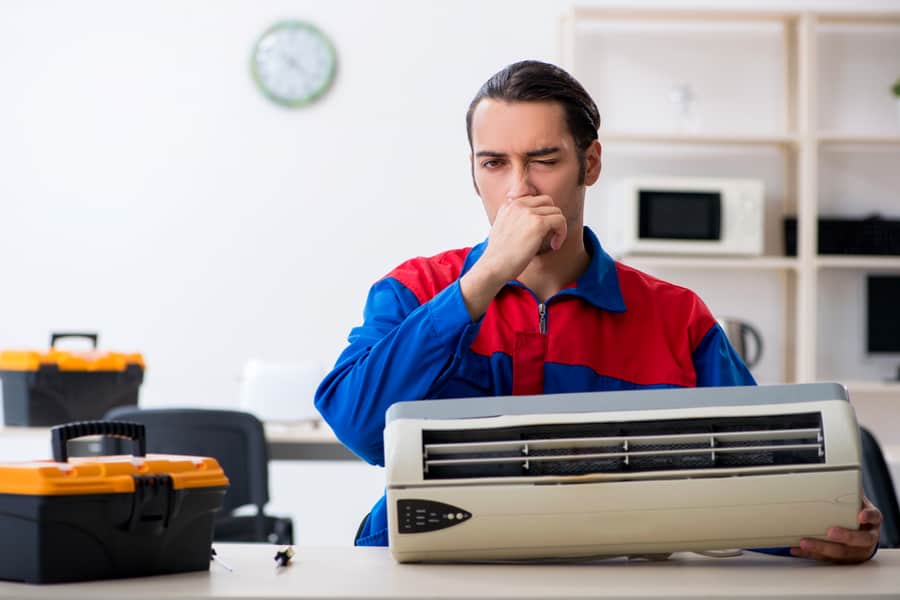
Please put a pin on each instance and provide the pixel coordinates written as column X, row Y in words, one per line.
column 535, row 81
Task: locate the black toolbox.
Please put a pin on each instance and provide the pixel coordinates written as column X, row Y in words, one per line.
column 107, row 517
column 57, row 386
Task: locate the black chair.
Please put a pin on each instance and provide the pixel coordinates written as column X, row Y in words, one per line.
column 880, row 488
column 237, row 441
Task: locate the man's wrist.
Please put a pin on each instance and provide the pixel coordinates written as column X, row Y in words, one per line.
column 487, row 274
column 479, row 286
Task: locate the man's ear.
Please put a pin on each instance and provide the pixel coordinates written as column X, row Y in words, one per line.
column 592, row 160
column 472, row 171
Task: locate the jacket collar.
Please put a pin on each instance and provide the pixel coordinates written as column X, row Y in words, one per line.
column 598, row 285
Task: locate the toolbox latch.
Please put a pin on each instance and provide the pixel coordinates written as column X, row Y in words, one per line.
column 154, row 500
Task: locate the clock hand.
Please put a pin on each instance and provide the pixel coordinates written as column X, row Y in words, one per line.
column 295, row 64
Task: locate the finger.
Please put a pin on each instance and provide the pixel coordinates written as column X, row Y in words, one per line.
column 533, row 201
column 870, row 516
column 504, row 208
column 851, row 558
column 864, row 538
column 825, row 558
column 822, row 550
column 545, row 211
column 559, row 228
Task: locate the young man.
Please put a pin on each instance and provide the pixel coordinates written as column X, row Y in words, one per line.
column 537, row 308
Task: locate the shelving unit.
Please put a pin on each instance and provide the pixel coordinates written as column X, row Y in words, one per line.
column 710, row 139
column 858, row 262
column 793, row 121
column 843, row 138
column 762, row 264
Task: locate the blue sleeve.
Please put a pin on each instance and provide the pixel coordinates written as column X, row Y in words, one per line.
column 402, row 351
column 716, row 362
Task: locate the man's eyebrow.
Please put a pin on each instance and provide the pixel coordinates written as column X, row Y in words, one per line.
column 531, row 153
column 542, row 151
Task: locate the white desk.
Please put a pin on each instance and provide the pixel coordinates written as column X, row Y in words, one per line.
column 309, row 441
column 332, row 573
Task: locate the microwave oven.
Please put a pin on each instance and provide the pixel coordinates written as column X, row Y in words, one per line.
column 689, row 215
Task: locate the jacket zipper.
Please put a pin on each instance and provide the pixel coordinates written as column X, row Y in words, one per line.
column 542, row 318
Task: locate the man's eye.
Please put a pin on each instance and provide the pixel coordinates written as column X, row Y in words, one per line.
column 546, row 162
column 490, row 164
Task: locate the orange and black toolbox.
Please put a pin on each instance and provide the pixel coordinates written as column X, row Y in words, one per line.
column 57, row 386
column 75, row 519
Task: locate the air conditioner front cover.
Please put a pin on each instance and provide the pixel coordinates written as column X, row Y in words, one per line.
column 620, row 473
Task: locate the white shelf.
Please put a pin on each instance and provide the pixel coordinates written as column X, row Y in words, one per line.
column 858, row 262
column 737, row 139
column 712, row 262
column 699, row 139
column 874, row 387
column 858, row 18
column 587, row 13
column 828, row 138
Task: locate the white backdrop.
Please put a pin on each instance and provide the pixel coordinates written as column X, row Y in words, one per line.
column 149, row 192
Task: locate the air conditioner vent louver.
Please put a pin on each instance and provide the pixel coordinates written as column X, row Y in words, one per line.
column 640, row 446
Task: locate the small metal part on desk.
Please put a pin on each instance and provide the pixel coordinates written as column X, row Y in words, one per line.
column 213, row 556
column 283, row 557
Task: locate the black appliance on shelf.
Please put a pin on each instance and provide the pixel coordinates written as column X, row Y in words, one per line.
column 883, row 315
column 873, row 235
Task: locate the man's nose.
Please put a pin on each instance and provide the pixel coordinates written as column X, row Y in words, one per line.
column 520, row 184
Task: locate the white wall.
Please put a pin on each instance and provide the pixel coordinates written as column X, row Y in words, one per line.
column 149, row 192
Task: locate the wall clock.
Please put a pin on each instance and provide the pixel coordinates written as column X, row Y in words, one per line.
column 293, row 63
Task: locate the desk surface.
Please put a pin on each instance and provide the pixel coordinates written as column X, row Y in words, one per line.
column 332, row 573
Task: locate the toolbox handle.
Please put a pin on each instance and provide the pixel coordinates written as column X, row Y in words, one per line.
column 61, row 434
column 58, row 336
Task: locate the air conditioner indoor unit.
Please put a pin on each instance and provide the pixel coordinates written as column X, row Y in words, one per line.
column 620, row 473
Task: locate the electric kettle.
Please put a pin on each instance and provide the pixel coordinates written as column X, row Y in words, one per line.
column 745, row 338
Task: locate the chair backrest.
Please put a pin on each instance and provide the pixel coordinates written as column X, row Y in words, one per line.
column 880, row 488
column 235, row 439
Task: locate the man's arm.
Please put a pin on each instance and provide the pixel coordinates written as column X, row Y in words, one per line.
column 716, row 363
column 402, row 351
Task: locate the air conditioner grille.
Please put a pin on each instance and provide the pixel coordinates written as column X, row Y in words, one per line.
column 622, row 447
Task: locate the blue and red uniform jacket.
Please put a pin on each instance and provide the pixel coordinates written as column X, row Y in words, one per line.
column 615, row 328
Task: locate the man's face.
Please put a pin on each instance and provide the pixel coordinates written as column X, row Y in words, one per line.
column 525, row 149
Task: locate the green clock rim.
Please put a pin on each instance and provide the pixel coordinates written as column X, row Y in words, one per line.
column 315, row 94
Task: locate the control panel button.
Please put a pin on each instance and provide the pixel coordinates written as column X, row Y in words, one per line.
column 419, row 516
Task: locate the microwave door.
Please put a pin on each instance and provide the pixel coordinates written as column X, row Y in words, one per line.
column 680, row 215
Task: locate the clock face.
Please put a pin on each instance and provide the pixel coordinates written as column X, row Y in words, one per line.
column 293, row 63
